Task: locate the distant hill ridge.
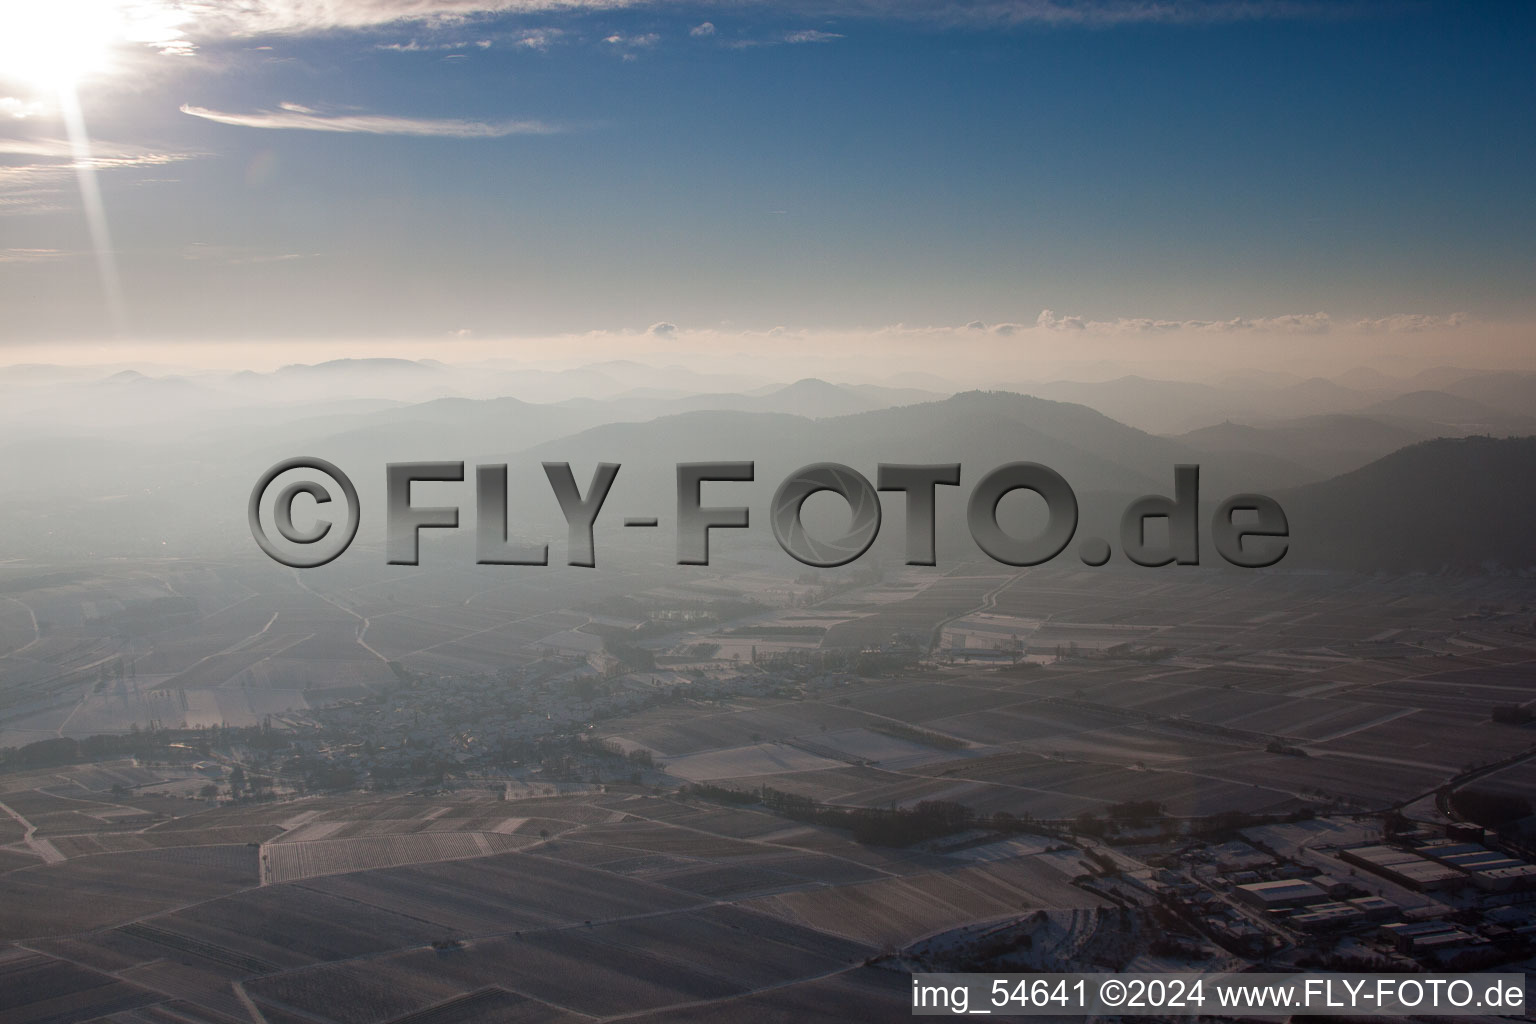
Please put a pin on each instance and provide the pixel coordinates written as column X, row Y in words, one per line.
column 1451, row 504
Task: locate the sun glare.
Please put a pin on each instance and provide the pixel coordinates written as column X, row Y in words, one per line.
column 50, row 45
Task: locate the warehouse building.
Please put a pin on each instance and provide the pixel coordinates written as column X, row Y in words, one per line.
column 1321, row 917
column 1281, row 895
column 1407, row 868
column 1489, row 869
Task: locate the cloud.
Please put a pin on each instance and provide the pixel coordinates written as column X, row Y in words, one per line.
column 1296, row 323
column 702, row 30
column 1293, row 323
column 1411, row 323
column 538, row 38
column 17, row 201
column 104, row 153
column 20, row 109
column 33, row 255
column 644, row 39
column 233, row 255
column 256, row 17
column 45, row 182
column 1092, row 13
column 805, row 35
column 417, row 47
column 286, row 17
column 294, row 117
column 811, row 35
column 179, row 27
column 661, row 330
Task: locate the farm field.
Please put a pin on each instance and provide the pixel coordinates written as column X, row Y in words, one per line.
column 292, row 861
column 653, row 903
column 485, row 894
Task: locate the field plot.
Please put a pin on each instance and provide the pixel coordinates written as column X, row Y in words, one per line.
column 898, row 911
column 82, row 780
column 982, row 797
column 639, row 835
column 206, row 986
column 490, row 1006
column 928, row 700
column 1035, row 725
column 190, row 709
column 278, row 926
column 737, row 823
column 90, row 892
column 500, row 894
column 1363, row 783
column 864, row 993
column 1520, row 778
column 734, row 882
column 18, row 628
column 758, row 759
column 674, row 732
column 953, row 594
column 39, row 988
column 36, row 804
column 357, row 992
column 439, row 819
column 618, row 967
column 217, row 669
column 1443, row 741
column 292, row 861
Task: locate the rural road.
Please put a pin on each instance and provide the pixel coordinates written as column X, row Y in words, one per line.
column 42, row 847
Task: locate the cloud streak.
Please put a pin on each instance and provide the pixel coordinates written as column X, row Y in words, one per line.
column 177, row 26
column 811, row 35
column 1294, row 323
column 1050, row 323
column 1411, row 323
column 33, row 255
column 45, row 182
column 292, row 117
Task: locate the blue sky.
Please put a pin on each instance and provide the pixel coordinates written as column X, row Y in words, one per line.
column 529, row 172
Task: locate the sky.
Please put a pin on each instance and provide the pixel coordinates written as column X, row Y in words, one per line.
column 1152, row 178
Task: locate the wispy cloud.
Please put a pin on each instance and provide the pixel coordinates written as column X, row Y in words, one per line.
column 799, row 36
column 1295, row 323
column 44, row 181
column 643, row 39
column 255, row 17
column 104, row 152
column 19, row 109
column 284, row 17
column 702, row 30
column 33, row 255
column 538, row 38
column 1411, row 323
column 179, row 27
column 1089, row 13
column 293, row 117
column 233, row 255
column 811, row 35
column 418, row 47
column 628, row 44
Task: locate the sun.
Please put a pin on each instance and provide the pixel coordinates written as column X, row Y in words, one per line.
column 47, row 46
